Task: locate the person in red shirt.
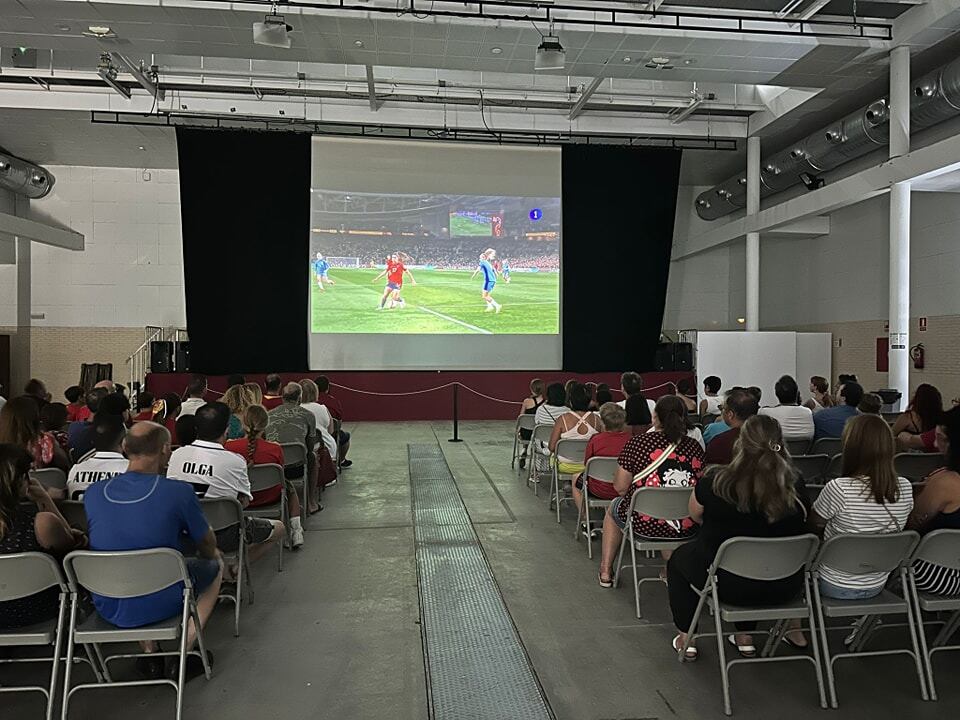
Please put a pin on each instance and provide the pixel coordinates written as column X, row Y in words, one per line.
column 335, row 408
column 608, row 443
column 739, row 405
column 75, row 403
column 258, row 451
column 394, row 271
column 271, row 395
column 144, row 407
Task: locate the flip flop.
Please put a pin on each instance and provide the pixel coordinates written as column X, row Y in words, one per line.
column 792, row 644
column 746, row 651
column 690, row 655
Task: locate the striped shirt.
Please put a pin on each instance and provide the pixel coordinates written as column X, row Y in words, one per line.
column 848, row 506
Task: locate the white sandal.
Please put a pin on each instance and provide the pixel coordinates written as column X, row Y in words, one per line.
column 746, row 651
column 690, row 655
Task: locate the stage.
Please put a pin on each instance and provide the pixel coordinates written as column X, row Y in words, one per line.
column 409, row 396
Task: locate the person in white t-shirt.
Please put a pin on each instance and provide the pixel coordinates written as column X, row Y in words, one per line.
column 796, row 421
column 308, row 401
column 107, row 459
column 631, row 384
column 712, row 402
column 215, row 472
column 196, row 389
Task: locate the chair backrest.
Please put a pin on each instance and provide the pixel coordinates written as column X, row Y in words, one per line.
column 542, row 433
column 526, row 421
column 222, row 512
column 571, row 448
column 51, row 478
column 915, row 467
column 24, row 574
column 766, row 558
column 827, row 446
column 861, row 553
column 601, row 468
column 835, row 466
column 263, row 477
column 662, row 503
column 890, row 417
column 941, row 547
column 798, row 447
column 74, row 513
column 125, row 574
column 812, row 467
column 293, row 454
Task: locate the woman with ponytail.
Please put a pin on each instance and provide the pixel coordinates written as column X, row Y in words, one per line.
column 258, row 451
column 756, row 495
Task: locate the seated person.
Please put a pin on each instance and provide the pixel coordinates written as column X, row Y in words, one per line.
column 257, row 451
column 141, row 509
column 739, row 405
column 271, row 393
column 531, row 403
column 686, row 392
column 20, row 426
column 820, row 396
column 77, row 431
column 335, row 408
column 196, row 391
column 185, row 430
column 555, row 405
column 75, row 403
column 868, row 497
column 938, row 507
column 637, row 413
column 608, row 443
column 604, row 395
column 829, row 422
column 215, row 472
column 756, row 495
column 106, row 461
column 325, row 428
column 290, row 423
column 922, row 414
column 53, row 419
column 796, row 421
column 144, row 406
column 631, row 383
column 711, row 402
column 870, row 404
column 666, row 457
column 30, row 522
column 578, row 423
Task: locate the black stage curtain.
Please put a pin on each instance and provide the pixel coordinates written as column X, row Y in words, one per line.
column 618, row 215
column 245, row 211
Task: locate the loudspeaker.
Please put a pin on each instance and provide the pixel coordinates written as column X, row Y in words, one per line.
column 683, row 356
column 182, row 359
column 161, row 356
column 663, row 360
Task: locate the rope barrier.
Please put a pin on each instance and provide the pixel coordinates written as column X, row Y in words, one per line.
column 386, row 394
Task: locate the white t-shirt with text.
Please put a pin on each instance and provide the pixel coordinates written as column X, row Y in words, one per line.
column 96, row 467
column 214, row 471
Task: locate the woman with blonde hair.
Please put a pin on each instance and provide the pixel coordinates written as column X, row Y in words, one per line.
column 238, row 398
column 256, row 393
column 308, row 401
column 756, row 495
column 257, row 450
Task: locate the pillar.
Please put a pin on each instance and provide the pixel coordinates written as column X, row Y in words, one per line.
column 753, row 238
column 899, row 311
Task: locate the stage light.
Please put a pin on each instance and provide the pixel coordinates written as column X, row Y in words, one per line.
column 550, row 54
column 813, row 182
column 273, row 31
column 108, row 73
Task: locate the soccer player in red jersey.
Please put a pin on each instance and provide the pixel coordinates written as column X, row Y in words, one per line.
column 394, row 271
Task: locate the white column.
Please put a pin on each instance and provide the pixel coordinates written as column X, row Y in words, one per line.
column 753, row 238
column 899, row 312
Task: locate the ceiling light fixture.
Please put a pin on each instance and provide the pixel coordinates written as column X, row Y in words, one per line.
column 147, row 78
column 659, row 63
column 496, row 50
column 108, row 73
column 273, row 31
column 358, row 43
column 550, row 53
column 627, row 58
column 100, row 32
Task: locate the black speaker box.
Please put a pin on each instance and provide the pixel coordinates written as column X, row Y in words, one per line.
column 182, row 359
column 161, row 356
column 683, row 356
column 663, row 360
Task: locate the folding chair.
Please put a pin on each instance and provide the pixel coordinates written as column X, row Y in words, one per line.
column 51, row 478
column 23, row 575
column 858, row 554
column 223, row 513
column 765, row 559
column 827, row 446
column 661, row 503
column 940, row 547
column 811, row 467
column 294, row 456
column 265, row 477
column 525, row 421
column 126, row 575
column 834, row 468
column 573, row 449
column 74, row 513
column 337, row 425
column 797, row 447
column 601, row 469
column 541, row 434
column 916, row 467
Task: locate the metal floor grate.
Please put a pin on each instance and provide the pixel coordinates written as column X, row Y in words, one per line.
column 476, row 664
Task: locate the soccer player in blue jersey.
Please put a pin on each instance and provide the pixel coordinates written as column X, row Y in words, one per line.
column 320, row 267
column 505, row 271
column 489, row 279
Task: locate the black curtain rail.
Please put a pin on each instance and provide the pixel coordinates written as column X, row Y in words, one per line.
column 601, row 14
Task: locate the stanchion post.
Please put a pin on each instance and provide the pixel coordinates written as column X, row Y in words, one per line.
column 456, row 414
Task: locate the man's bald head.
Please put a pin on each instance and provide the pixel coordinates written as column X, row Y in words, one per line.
column 107, row 385
column 146, row 439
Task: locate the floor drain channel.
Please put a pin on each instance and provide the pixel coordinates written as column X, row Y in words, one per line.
column 476, row 665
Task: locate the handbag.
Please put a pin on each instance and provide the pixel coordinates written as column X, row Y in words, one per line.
column 649, row 469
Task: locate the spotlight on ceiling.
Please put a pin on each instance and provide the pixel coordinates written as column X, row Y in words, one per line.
column 273, row 31
column 108, row 73
column 550, row 54
column 813, row 182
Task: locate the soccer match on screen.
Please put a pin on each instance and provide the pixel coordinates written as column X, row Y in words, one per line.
column 434, row 264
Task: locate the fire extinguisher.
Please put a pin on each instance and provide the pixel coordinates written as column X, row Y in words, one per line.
column 916, row 352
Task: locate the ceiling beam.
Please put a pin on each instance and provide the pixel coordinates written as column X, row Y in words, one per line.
column 581, row 102
column 40, row 232
column 372, row 89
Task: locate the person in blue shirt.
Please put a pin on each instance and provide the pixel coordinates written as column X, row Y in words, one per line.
column 506, row 271
column 142, row 509
column 829, row 422
column 489, row 279
column 320, row 267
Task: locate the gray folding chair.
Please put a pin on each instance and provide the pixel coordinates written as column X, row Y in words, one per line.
column 856, row 555
column 295, row 455
column 21, row 576
column 662, row 503
column 573, row 449
column 940, row 547
column 813, row 468
column 601, row 469
column 764, row 559
column 541, row 434
column 834, row 468
column 827, row 446
column 74, row 513
column 264, row 477
column 51, row 478
column 223, row 513
column 127, row 575
column 525, row 421
column 916, row 467
column 797, row 447
column 337, row 425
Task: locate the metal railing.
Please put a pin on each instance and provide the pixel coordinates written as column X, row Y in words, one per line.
column 139, row 362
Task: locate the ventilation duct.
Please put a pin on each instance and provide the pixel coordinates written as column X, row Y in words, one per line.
column 935, row 97
column 23, row 178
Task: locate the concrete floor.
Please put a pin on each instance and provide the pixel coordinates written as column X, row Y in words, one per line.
column 336, row 635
